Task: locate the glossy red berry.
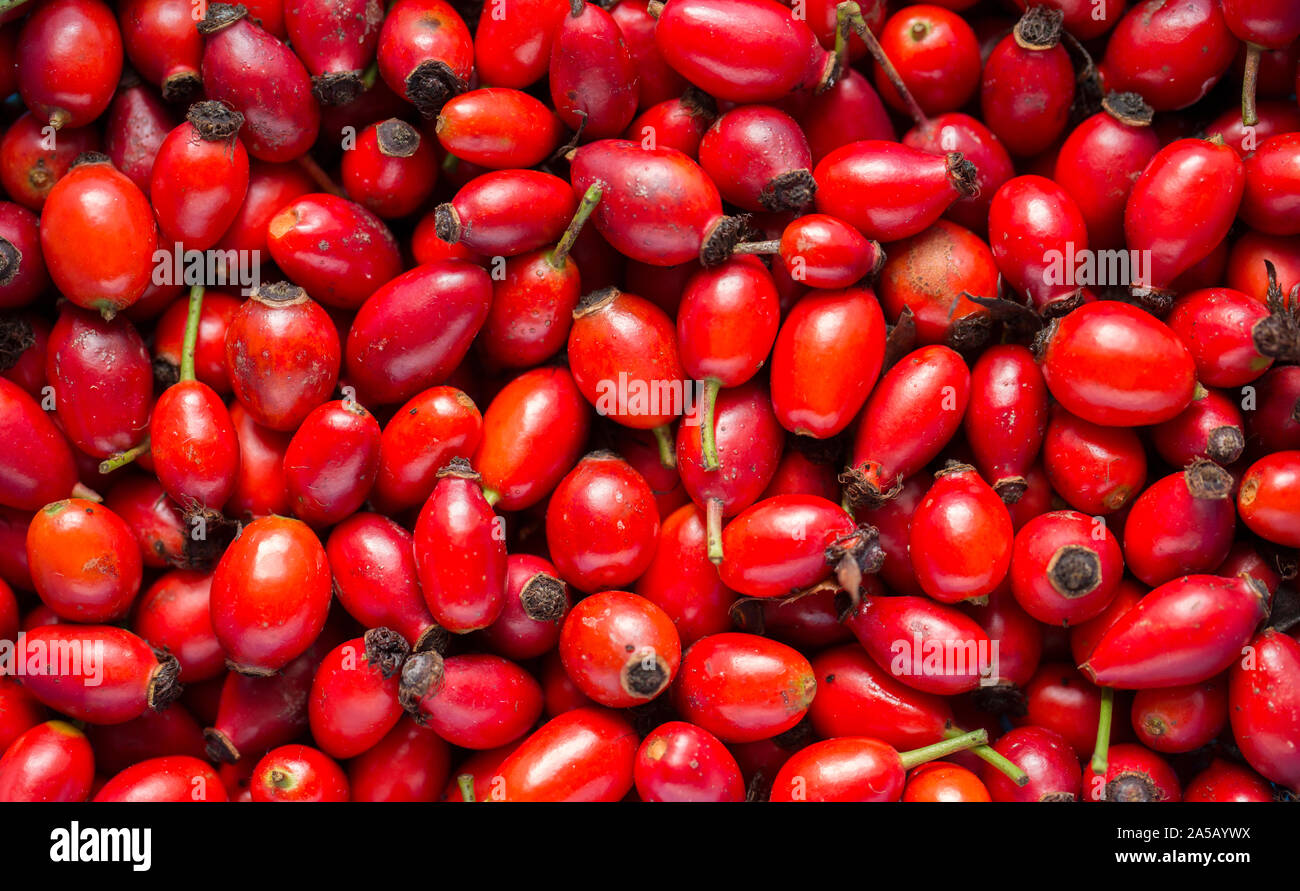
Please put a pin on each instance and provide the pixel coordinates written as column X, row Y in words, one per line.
column 331, row 462
column 742, row 687
column 960, row 537
column 1181, row 525
column 354, row 694
column 262, row 79
column 69, row 61
column 426, row 54
column 1143, row 650
column 50, row 762
column 1028, row 84
column 298, row 773
column 84, row 561
column 1264, row 706
column 460, row 552
column 587, row 754
column 392, row 170
column 1066, row 568
column 619, row 649
column 681, row 762
column 1267, row 499
column 270, row 594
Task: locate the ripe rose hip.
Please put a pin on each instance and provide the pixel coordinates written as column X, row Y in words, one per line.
column 619, row 649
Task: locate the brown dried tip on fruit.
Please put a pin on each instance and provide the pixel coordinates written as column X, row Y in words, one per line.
column 16, row 337
column 386, row 650
column 215, row 121
column 423, row 674
column 1278, row 335
column 397, row 139
column 337, row 87
column 962, row 174
column 1208, row 481
column 1128, row 108
column 431, row 84
column 164, row 687
column 542, row 598
column 1074, row 571
column 854, row 555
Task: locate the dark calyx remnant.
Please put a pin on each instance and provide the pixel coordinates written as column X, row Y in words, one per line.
column 386, row 650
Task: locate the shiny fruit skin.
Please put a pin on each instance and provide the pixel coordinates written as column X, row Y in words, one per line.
column 422, row 437
column 910, row 416
column 353, row 704
column 194, row 447
column 298, row 773
column 659, row 206
column 482, row 701
column 843, row 329
column 1269, row 498
column 1133, row 773
column 83, row 352
column 1025, row 94
column 1114, row 364
column 911, row 188
column 84, row 561
column 37, row 461
column 587, row 754
column 936, row 54
column 681, row 762
column 1097, row 470
column 1180, row 719
column 425, row 36
column 1053, row 768
column 460, row 552
column 262, row 79
column 845, row 769
column 593, row 77
column 924, row 627
column 1264, row 706
column 411, row 763
column 623, row 346
column 390, row 354
column 270, row 594
column 1226, row 781
column 856, row 697
column 50, row 762
column 372, row 561
column 1170, row 211
column 536, row 604
column 1036, row 232
column 1217, row 326
column 25, row 276
column 29, row 169
column 1044, row 582
column 727, row 321
column 283, row 353
column 171, row 778
column 331, row 462
column 69, row 61
column 683, row 582
column 498, row 128
column 1006, row 417
column 939, row 781
column 260, row 487
column 126, row 679
column 738, row 51
column 1097, row 165
column 752, row 153
column 742, row 687
column 960, row 538
column 778, row 546
column 602, row 524
column 1181, row 525
column 1184, row 632
column 337, row 250
column 197, row 185
column 509, row 212
column 174, row 615
column 533, row 433
column 1171, row 53
column 619, row 649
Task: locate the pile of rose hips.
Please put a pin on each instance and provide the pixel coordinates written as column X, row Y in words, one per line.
column 813, row 456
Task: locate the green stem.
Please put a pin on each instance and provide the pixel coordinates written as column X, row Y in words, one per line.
column 1100, row 759
column 190, row 343
column 121, row 459
column 993, row 757
column 708, row 442
column 844, row 14
column 369, row 75
column 713, row 527
column 560, row 255
column 949, row 746
column 492, row 496
column 667, row 451
column 466, row 783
